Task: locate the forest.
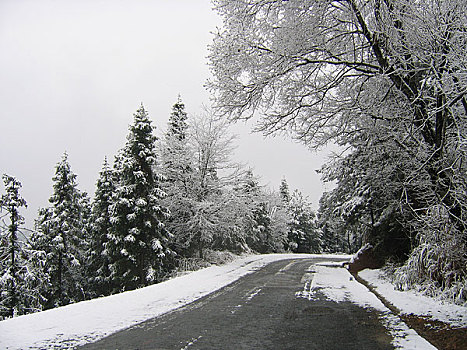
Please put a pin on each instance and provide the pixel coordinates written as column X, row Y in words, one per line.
column 164, row 206
column 384, row 80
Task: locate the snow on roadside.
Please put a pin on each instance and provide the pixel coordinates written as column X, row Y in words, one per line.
column 338, row 285
column 88, row 321
column 411, row 302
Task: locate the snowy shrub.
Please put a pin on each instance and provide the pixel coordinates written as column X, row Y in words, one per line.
column 188, row 265
column 216, row 257
column 437, row 266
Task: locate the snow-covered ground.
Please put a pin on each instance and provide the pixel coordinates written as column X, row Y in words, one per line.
column 91, row 320
column 87, row 321
column 411, row 302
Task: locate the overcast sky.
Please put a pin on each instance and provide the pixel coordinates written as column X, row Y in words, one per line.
column 72, row 73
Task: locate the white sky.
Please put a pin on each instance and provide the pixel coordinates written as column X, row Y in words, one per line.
column 72, row 73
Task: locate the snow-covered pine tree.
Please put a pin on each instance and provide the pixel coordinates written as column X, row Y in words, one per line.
column 284, row 191
column 13, row 268
column 38, row 248
column 177, row 157
column 256, row 218
column 139, row 241
column 98, row 257
column 178, row 121
column 261, row 231
column 303, row 236
column 60, row 240
column 330, row 225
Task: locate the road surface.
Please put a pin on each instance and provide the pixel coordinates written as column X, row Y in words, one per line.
column 259, row 311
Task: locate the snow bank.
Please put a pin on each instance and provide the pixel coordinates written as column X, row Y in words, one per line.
column 338, row 285
column 91, row 320
column 410, row 302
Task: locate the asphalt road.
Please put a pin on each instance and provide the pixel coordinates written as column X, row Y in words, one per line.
column 259, row 311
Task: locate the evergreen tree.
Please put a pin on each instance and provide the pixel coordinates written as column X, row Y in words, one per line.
column 13, row 269
column 98, row 255
column 177, row 157
column 330, row 225
column 139, row 241
column 178, row 121
column 257, row 220
column 284, row 191
column 303, row 236
column 338, row 234
column 38, row 247
column 261, row 229
column 60, row 242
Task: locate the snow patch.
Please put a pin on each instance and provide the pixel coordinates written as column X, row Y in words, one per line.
column 338, row 285
column 307, row 292
column 330, row 264
column 192, row 342
column 253, row 294
column 403, row 336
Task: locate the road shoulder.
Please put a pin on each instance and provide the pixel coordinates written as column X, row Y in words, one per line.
column 441, row 323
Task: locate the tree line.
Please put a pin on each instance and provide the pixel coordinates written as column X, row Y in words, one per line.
column 162, row 205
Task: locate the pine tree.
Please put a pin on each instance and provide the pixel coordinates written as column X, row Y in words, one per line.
column 38, row 247
column 98, row 256
column 13, row 269
column 303, row 236
column 60, row 242
column 261, row 229
column 178, row 121
column 256, row 218
column 139, row 241
column 284, row 191
column 177, row 157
